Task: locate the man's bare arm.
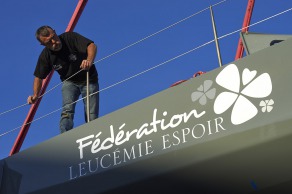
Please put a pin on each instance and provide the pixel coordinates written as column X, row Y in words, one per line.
column 91, row 53
column 37, row 84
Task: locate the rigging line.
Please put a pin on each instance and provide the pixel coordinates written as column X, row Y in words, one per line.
column 110, row 55
column 205, row 44
column 41, row 117
column 154, row 67
column 149, row 36
column 61, row 83
column 7, row 111
column 261, row 21
column 13, row 109
column 7, row 132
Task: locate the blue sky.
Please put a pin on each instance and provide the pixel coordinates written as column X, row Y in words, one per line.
column 114, row 25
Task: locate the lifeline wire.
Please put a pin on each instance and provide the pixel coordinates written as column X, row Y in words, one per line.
column 40, row 95
column 158, row 32
column 13, row 109
column 205, row 44
column 120, row 51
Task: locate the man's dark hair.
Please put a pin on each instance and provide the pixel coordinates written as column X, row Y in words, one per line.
column 43, row 31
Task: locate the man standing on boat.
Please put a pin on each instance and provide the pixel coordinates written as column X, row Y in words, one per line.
column 72, row 56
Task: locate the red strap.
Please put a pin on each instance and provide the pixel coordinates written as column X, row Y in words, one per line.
column 181, row 81
column 198, row 73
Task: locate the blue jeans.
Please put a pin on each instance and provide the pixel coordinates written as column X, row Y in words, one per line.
column 71, row 92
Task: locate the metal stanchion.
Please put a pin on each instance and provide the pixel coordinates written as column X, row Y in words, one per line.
column 216, row 39
column 87, row 96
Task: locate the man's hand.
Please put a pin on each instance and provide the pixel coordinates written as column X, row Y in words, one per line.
column 32, row 99
column 91, row 52
column 37, row 84
column 86, row 64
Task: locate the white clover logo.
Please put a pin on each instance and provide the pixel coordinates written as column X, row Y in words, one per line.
column 267, row 105
column 203, row 92
column 243, row 110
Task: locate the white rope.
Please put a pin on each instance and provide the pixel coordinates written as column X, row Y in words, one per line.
column 60, row 83
column 112, row 54
column 261, row 21
column 176, row 23
column 205, row 44
column 13, row 109
column 2, row 113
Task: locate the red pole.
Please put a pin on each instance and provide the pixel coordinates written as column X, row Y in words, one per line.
column 25, row 127
column 245, row 25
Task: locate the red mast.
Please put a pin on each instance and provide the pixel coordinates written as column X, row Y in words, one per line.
column 25, row 127
column 245, row 25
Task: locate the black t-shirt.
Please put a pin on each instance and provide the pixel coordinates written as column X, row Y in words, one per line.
column 66, row 61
